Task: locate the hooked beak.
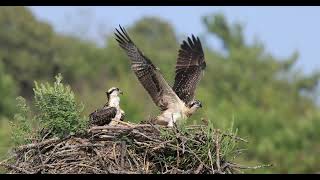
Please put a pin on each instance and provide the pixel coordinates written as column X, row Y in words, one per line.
column 200, row 105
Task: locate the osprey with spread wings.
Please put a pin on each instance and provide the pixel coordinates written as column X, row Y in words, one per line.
column 175, row 102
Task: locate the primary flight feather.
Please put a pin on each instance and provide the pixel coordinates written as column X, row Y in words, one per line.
column 177, row 102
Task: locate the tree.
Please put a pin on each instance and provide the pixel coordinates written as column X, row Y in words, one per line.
column 31, row 50
column 269, row 100
column 7, row 93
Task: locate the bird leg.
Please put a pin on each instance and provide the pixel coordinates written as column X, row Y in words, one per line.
column 172, row 122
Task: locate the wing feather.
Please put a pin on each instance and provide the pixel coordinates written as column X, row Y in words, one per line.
column 190, row 63
column 148, row 75
column 102, row 116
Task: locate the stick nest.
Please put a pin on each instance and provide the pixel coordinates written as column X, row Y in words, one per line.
column 128, row 148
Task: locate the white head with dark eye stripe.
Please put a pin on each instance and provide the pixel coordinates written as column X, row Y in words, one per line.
column 195, row 104
column 113, row 96
column 114, row 91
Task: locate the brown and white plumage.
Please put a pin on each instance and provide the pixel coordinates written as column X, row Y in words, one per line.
column 172, row 106
column 148, row 75
column 190, row 64
column 103, row 116
column 110, row 111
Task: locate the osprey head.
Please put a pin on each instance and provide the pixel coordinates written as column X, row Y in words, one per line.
column 113, row 91
column 195, row 104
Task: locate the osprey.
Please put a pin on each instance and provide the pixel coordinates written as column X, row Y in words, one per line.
column 175, row 102
column 110, row 111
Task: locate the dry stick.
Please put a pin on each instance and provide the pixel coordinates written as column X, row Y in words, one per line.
column 84, row 165
column 218, row 152
column 114, row 153
column 16, row 168
column 228, row 170
column 99, row 158
column 125, row 123
column 133, row 159
column 137, row 132
column 248, row 167
column 123, row 151
column 200, row 167
column 131, row 168
column 211, row 163
column 161, row 145
column 144, row 161
column 33, row 145
column 153, row 126
column 97, row 128
column 178, row 158
column 40, row 156
column 189, row 150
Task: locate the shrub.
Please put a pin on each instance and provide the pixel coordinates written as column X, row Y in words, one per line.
column 21, row 127
column 58, row 111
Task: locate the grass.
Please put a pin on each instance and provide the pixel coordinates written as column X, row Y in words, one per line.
column 5, row 141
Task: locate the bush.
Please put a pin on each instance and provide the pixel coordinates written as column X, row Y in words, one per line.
column 58, row 111
column 21, row 128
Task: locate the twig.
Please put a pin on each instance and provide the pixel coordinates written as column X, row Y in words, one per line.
column 218, row 152
column 123, row 151
column 125, row 123
column 248, row 167
column 200, row 167
column 16, row 168
column 211, row 163
column 30, row 146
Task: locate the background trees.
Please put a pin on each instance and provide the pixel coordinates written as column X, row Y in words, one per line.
column 271, row 103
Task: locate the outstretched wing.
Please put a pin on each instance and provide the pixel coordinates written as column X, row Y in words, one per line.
column 189, row 65
column 102, row 116
column 148, row 75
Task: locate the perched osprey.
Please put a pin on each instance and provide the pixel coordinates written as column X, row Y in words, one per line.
column 110, row 111
column 177, row 102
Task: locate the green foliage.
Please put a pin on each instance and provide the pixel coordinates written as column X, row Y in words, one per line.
column 57, row 108
column 271, row 103
column 21, row 127
column 7, row 92
column 31, row 50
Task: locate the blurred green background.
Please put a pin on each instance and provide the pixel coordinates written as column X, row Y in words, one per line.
column 271, row 102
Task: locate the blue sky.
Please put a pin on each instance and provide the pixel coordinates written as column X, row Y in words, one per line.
column 282, row 29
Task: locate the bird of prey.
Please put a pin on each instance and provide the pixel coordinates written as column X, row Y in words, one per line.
column 175, row 102
column 111, row 110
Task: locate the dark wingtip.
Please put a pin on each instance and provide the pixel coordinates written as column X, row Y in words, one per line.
column 193, row 37
column 119, row 27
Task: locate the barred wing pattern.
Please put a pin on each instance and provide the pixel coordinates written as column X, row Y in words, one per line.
column 103, row 116
column 148, row 75
column 190, row 64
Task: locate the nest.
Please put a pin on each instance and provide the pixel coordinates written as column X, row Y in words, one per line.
column 127, row 149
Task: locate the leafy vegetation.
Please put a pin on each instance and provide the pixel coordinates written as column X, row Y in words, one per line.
column 56, row 114
column 271, row 102
column 7, row 92
column 58, row 111
column 21, row 128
